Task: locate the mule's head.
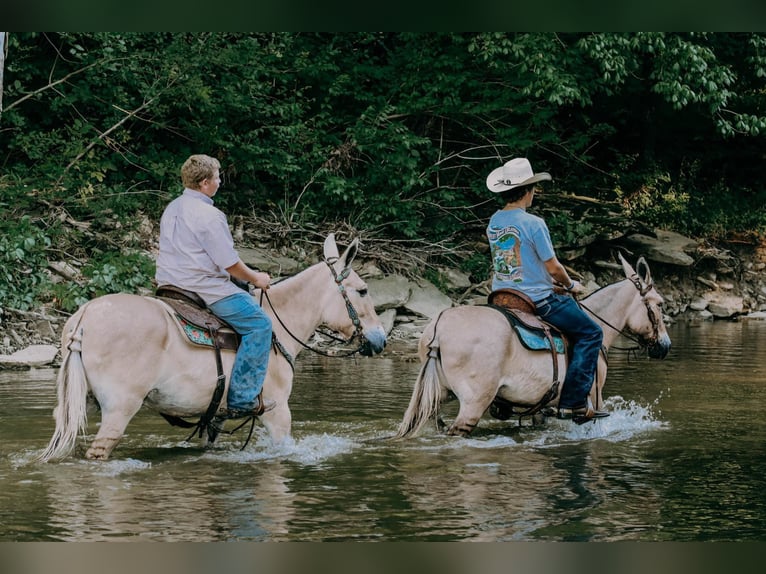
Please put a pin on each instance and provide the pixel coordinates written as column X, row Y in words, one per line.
column 352, row 311
column 645, row 318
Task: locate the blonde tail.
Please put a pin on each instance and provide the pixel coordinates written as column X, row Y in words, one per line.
column 70, row 413
column 426, row 396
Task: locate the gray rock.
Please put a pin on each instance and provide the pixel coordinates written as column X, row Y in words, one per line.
column 699, row 304
column 456, row 280
column 263, row 260
column 724, row 306
column 667, row 247
column 757, row 315
column 389, row 292
column 387, row 319
column 32, row 356
column 427, row 300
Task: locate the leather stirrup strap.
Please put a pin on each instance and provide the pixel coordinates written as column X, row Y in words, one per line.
column 215, row 402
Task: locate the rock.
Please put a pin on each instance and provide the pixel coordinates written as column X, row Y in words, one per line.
column 667, row 247
column 32, row 356
column 456, row 280
column 64, row 269
column 708, row 282
column 368, row 270
column 387, row 319
column 757, row 315
column 427, row 300
column 699, row 304
column 389, row 292
column 724, row 306
column 263, row 260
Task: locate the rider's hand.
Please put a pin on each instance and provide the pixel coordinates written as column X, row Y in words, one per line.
column 576, row 288
column 261, row 280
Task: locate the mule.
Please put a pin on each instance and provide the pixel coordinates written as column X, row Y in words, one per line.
column 127, row 351
column 471, row 353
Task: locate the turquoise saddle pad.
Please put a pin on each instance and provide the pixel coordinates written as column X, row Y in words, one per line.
column 533, row 338
column 536, row 341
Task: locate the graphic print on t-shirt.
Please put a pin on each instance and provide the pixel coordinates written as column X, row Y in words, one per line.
column 506, row 253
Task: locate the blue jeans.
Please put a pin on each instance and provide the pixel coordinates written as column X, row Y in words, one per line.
column 249, row 371
column 585, row 337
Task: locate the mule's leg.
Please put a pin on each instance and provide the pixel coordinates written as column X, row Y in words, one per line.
column 467, row 418
column 113, row 424
column 278, row 422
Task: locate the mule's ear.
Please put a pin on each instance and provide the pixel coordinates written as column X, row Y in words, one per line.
column 629, row 271
column 642, row 268
column 331, row 254
column 349, row 254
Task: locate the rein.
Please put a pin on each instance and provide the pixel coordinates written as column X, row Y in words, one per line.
column 352, row 313
column 642, row 290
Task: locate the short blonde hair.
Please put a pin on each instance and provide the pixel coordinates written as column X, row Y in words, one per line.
column 197, row 168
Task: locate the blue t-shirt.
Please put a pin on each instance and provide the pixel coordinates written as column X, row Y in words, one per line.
column 520, row 244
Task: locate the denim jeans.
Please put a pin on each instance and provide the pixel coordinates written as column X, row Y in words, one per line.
column 249, row 371
column 585, row 337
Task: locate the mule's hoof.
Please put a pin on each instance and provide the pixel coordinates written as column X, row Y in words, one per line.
column 500, row 411
column 96, row 455
column 538, row 419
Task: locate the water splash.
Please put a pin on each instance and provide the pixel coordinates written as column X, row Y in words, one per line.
column 627, row 420
column 311, row 449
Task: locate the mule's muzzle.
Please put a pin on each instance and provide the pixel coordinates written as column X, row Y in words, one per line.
column 374, row 342
column 659, row 349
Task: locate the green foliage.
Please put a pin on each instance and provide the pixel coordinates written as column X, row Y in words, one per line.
column 393, row 132
column 109, row 273
column 713, row 215
column 477, row 266
column 23, row 280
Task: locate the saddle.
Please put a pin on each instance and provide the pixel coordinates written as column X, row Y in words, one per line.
column 534, row 333
column 197, row 322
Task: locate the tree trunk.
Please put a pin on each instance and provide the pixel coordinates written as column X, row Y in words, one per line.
column 3, row 50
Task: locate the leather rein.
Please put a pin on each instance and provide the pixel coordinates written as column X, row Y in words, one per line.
column 642, row 290
column 352, row 313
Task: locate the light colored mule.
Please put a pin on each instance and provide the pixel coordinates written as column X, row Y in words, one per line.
column 127, row 351
column 472, row 354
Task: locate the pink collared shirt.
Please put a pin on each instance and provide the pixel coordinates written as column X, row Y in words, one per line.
column 196, row 247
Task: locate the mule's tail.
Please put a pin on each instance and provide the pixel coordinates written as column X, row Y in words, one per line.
column 426, row 396
column 70, row 413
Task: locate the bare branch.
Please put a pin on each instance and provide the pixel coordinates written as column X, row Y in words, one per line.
column 50, row 85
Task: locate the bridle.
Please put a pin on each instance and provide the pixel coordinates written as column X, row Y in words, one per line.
column 352, row 314
column 643, row 290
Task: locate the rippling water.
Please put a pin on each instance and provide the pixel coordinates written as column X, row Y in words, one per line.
column 681, row 458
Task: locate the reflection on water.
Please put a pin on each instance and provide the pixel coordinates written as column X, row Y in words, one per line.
column 681, row 458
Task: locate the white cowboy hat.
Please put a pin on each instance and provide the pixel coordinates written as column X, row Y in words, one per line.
column 513, row 174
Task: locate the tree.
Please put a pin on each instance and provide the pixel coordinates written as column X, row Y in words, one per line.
column 3, row 55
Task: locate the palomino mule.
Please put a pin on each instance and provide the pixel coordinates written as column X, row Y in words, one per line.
column 128, row 351
column 472, row 354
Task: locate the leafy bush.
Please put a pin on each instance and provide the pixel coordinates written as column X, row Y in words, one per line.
column 109, row 273
column 23, row 280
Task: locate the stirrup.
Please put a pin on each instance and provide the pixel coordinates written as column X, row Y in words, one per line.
column 581, row 415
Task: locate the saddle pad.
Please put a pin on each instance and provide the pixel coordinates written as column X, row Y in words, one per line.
column 530, row 330
column 226, row 337
column 537, row 341
column 195, row 333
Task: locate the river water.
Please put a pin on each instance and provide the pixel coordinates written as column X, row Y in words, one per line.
column 680, row 459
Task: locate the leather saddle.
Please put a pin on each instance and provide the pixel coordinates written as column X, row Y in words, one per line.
column 199, row 324
column 534, row 333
